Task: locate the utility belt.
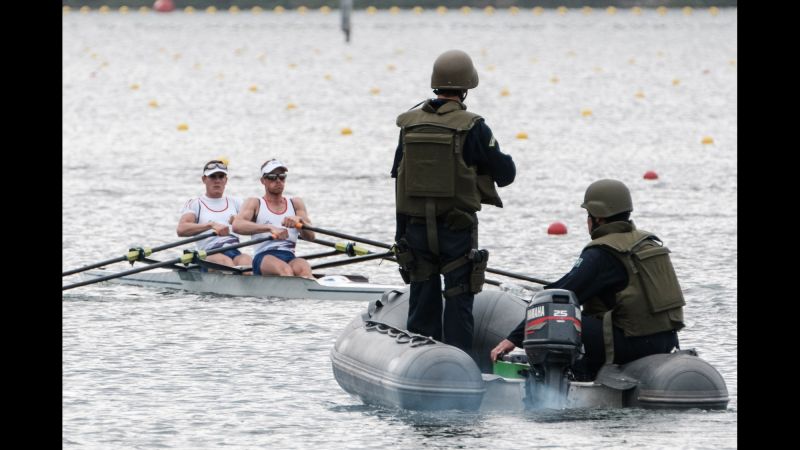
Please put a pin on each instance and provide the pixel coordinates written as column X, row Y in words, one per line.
column 417, row 269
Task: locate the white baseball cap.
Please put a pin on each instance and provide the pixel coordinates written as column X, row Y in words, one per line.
column 271, row 165
column 215, row 166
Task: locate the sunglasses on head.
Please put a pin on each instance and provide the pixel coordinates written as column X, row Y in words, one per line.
column 275, row 176
column 216, row 165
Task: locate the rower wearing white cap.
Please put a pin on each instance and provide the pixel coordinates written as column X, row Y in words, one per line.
column 214, row 211
column 276, row 214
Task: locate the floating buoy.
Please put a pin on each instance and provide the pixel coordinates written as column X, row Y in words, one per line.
column 302, row 9
column 561, row 10
column 253, row 88
column 676, row 81
column 84, row 9
column 586, row 10
column 256, row 9
column 390, row 67
column 586, row 112
column 371, row 10
column 489, row 10
column 639, row 94
column 291, row 106
column 325, row 9
column 233, row 9
column 65, row 9
column 538, row 10
column 134, row 86
column 636, row 10
column 394, row 10
column 279, row 9
column 124, row 9
column 513, row 10
column 661, row 10
column 144, row 10
column 152, row 104
column 211, row 10
column 441, row 10
column 611, row 10
column 347, row 131
column 104, row 9
column 163, row 5
column 687, row 10
column 183, row 127
column 522, row 135
column 650, row 175
column 490, row 68
column 375, row 91
column 557, row 228
column 554, row 79
column 189, row 10
column 713, row 10
column 707, row 140
column 417, row 9
column 505, row 92
column 328, row 76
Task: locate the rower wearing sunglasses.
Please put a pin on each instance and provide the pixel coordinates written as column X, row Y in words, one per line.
column 276, row 214
column 214, row 211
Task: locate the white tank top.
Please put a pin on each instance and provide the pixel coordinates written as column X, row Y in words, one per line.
column 218, row 210
column 266, row 215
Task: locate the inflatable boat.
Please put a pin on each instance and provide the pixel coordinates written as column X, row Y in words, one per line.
column 378, row 361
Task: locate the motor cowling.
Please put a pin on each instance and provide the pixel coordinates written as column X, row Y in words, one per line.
column 553, row 328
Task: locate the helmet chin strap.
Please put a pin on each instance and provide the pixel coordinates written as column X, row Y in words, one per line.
column 463, row 95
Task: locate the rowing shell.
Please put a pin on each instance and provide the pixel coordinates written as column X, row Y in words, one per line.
column 328, row 287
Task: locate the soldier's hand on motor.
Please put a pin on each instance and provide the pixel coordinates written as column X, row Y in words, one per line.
column 504, row 346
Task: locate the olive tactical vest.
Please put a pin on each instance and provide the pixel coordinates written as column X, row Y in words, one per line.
column 652, row 302
column 432, row 172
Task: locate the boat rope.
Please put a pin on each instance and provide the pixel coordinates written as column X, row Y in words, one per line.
column 400, row 336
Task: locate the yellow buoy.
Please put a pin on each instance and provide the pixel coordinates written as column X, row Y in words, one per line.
column 371, row 10
column 417, row 9
column 707, row 140
column 152, row 104
column 676, row 81
column 256, row 9
column 183, row 127
column 513, row 10
column 134, row 86
column 586, row 112
column 104, row 9
column 661, row 10
column 220, row 76
column 253, row 88
column 211, row 9
column 328, row 76
column 636, row 10
column 687, row 10
column 561, row 10
column 611, row 10
column 441, row 10
column 394, row 10
column 390, row 67
column 632, row 61
column 84, row 9
column 465, row 10
column 325, row 9
column 639, row 94
column 233, row 9
column 538, row 10
column 522, row 135
column 713, row 10
column 598, row 70
column 302, row 9
column 291, row 106
column 346, row 131
column 144, row 9
column 124, row 9
column 489, row 10
column 292, row 65
column 279, row 9
column 189, row 10
column 505, row 92
column 374, row 91
column 554, row 79
column 490, row 68
column 65, row 9
column 586, row 10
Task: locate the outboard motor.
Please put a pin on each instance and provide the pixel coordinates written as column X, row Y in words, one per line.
column 552, row 343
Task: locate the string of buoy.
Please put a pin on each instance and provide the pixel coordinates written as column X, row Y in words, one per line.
column 169, row 6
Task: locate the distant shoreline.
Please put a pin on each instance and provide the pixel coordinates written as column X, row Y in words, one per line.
column 405, row 4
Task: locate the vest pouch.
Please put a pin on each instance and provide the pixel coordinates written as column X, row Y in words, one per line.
column 658, row 279
column 480, row 258
column 430, row 165
column 486, row 188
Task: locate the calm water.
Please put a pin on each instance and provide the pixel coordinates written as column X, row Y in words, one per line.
column 146, row 368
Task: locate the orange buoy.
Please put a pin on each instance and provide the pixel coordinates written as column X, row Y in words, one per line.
column 557, row 228
column 650, row 175
column 163, row 5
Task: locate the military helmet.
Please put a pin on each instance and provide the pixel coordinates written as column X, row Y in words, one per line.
column 606, row 198
column 453, row 69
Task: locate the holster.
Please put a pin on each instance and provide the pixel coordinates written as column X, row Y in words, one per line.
column 477, row 277
column 405, row 259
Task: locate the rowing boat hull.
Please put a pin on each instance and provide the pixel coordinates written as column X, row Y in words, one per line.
column 330, row 287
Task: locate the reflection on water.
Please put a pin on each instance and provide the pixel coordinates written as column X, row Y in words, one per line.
column 144, row 367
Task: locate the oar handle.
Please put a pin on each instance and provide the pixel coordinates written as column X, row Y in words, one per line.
column 136, row 254
column 181, row 259
column 518, row 276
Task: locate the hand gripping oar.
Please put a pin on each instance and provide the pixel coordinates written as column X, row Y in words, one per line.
column 186, row 258
column 138, row 254
column 381, row 244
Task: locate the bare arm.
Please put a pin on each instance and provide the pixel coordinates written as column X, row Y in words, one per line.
column 301, row 216
column 188, row 227
column 243, row 222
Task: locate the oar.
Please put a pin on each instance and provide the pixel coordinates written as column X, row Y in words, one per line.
column 381, row 244
column 186, row 258
column 341, row 262
column 320, row 255
column 136, row 254
column 351, row 248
